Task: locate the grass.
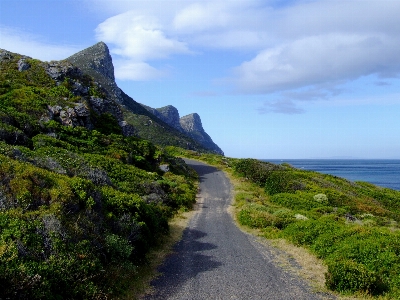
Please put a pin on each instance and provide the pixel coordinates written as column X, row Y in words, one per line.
column 342, row 236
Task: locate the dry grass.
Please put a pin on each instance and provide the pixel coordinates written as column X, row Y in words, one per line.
column 309, row 267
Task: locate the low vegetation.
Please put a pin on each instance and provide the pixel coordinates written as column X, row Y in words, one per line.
column 79, row 207
column 352, row 226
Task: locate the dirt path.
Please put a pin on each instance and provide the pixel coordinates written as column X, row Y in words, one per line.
column 215, row 260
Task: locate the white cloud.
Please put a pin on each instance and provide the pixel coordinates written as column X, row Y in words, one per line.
column 136, row 71
column 136, row 39
column 202, row 16
column 139, row 37
column 314, row 60
column 319, row 43
column 14, row 40
column 296, row 45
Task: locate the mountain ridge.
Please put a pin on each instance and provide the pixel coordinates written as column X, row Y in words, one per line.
column 190, row 125
column 96, row 61
column 81, row 200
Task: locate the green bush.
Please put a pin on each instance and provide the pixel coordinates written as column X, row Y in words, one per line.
column 359, row 258
column 79, row 208
column 117, row 247
column 107, row 124
column 305, row 233
column 298, row 201
column 350, row 276
column 284, row 217
column 255, row 170
column 256, row 218
column 278, row 181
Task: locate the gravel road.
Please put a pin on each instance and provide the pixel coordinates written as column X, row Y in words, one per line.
column 215, row 260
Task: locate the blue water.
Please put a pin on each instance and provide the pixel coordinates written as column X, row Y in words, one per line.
column 381, row 172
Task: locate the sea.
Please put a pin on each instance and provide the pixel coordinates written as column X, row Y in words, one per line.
column 381, row 172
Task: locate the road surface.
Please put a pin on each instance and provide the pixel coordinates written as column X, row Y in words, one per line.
column 216, row 260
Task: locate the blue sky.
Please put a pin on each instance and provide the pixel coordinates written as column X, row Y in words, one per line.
column 270, row 79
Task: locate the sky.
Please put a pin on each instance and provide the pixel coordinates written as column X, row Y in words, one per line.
column 271, row 79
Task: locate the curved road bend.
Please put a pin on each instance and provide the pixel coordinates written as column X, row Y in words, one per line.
column 215, row 260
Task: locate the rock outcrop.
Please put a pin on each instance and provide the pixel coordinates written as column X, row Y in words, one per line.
column 169, row 114
column 192, row 126
column 89, row 76
column 79, row 115
column 96, row 62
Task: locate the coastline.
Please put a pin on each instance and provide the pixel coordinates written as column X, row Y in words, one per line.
column 381, row 172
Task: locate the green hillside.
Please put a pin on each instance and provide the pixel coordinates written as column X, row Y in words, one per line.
column 354, row 227
column 96, row 62
column 80, row 204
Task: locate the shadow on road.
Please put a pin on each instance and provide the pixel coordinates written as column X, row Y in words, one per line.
column 185, row 263
column 200, row 169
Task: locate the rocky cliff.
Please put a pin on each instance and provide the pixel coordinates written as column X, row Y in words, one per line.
column 96, row 62
column 170, row 115
column 162, row 125
column 192, row 126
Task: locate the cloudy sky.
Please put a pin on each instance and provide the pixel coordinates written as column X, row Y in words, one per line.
column 270, row 79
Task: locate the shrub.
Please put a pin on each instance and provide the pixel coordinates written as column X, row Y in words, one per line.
column 350, row 276
column 117, row 248
column 284, row 217
column 321, row 198
column 180, row 190
column 107, row 124
column 256, row 216
column 255, row 170
column 298, row 201
column 278, row 181
column 305, row 233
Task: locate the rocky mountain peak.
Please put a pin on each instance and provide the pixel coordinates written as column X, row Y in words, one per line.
column 192, row 126
column 96, row 61
column 97, row 58
column 192, row 123
column 170, row 115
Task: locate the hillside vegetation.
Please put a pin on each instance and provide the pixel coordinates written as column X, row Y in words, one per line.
column 352, row 226
column 80, row 206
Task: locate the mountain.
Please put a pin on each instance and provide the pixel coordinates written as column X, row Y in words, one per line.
column 82, row 198
column 190, row 125
column 167, row 114
column 160, row 126
column 193, row 127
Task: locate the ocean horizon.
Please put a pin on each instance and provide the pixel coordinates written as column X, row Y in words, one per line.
column 380, row 172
